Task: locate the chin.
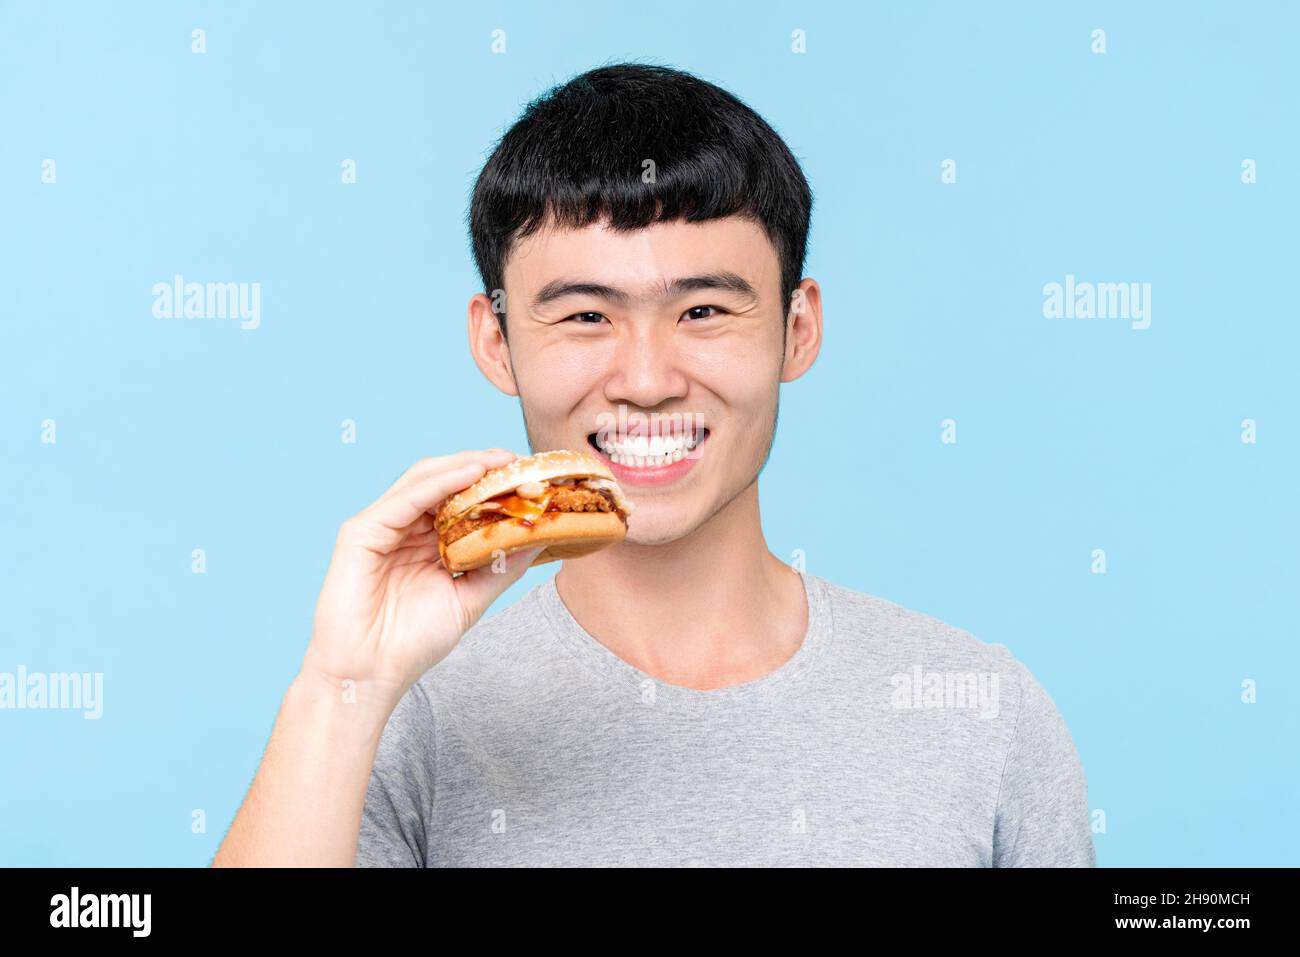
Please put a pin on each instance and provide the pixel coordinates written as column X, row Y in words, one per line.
column 652, row 532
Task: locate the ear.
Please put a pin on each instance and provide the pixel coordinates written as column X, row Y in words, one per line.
column 489, row 347
column 803, row 331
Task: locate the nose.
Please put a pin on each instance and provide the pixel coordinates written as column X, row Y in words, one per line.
column 647, row 367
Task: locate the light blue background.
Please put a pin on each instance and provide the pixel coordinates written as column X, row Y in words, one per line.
column 1073, row 435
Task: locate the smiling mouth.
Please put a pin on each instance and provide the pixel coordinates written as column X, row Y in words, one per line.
column 640, row 452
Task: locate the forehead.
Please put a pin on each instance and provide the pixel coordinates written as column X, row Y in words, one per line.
column 646, row 256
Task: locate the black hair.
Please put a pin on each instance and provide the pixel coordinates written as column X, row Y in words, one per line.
column 575, row 157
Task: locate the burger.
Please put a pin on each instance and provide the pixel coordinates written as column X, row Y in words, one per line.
column 567, row 501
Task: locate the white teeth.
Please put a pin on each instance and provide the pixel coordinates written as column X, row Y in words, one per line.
column 627, row 449
column 629, row 459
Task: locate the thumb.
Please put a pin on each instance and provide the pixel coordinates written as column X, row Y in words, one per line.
column 480, row 587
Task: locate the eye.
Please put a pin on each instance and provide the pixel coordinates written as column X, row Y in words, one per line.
column 583, row 317
column 693, row 312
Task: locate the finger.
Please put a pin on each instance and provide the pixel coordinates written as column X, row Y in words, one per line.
column 399, row 511
column 421, row 525
column 383, row 526
column 425, row 554
column 480, row 587
column 424, row 468
column 407, row 507
column 418, row 539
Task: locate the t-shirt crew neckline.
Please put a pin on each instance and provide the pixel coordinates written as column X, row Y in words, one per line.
column 591, row 653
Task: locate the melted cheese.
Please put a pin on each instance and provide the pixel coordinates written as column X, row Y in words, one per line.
column 527, row 510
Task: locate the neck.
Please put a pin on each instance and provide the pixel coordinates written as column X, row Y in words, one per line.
column 711, row 609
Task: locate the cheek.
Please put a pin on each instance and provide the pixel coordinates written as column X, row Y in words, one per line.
column 558, row 379
column 744, row 375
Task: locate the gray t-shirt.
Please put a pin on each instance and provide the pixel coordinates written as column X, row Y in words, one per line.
column 888, row 739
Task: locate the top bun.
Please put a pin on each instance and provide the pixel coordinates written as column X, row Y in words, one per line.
column 542, row 467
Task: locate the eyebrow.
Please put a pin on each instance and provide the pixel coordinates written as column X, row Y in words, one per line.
column 725, row 280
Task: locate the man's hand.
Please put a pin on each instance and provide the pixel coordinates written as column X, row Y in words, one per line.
column 389, row 611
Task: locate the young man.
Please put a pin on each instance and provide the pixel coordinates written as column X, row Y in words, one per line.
column 684, row 697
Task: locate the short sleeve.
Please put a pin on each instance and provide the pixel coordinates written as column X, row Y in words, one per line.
column 393, row 820
column 1043, row 818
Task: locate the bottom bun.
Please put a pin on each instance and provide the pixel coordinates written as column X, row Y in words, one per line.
column 566, row 535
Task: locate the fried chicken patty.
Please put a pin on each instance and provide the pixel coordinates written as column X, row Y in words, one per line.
column 566, row 499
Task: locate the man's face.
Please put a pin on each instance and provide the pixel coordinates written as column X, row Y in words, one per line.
column 680, row 320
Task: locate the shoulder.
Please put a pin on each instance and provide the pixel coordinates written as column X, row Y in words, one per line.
column 888, row 631
column 926, row 664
